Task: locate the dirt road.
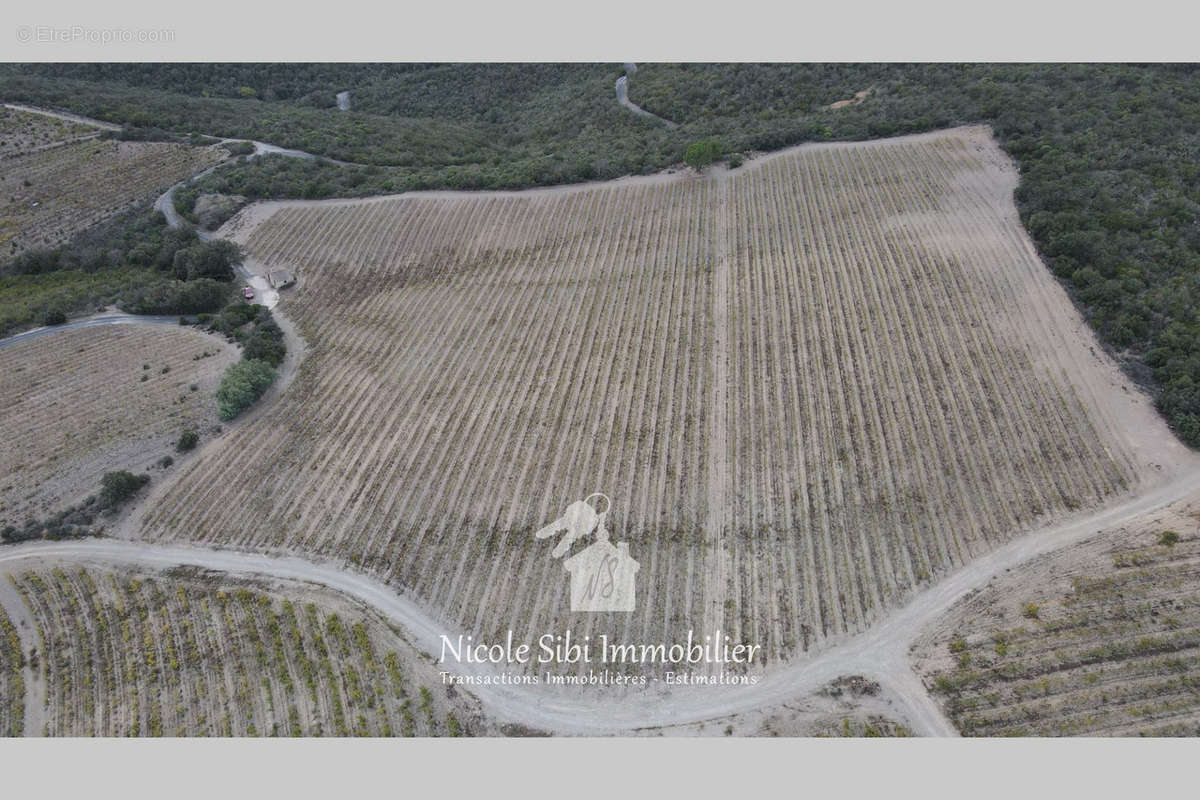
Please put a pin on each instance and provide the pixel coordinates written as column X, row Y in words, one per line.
column 63, row 115
column 880, row 653
column 623, row 99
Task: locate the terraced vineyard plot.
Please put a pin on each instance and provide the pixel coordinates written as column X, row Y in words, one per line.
column 810, row 386
column 474, row 365
column 130, row 655
column 49, row 194
column 1100, row 640
column 79, row 403
column 904, row 390
column 22, row 133
column 12, row 679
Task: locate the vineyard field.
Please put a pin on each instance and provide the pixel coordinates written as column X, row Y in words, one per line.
column 84, row 402
column 22, row 133
column 1102, row 639
column 12, row 679
column 54, row 191
column 126, row 654
column 811, row 386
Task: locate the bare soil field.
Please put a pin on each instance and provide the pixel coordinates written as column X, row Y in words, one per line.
column 851, row 706
column 810, row 387
column 84, row 402
column 1100, row 639
column 193, row 654
column 51, row 190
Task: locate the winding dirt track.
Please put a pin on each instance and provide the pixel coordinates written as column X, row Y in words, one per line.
column 881, row 652
column 622, row 88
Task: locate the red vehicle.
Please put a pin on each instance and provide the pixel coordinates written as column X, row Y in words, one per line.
column 247, row 293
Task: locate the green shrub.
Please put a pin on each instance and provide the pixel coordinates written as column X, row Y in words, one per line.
column 214, row 260
column 265, row 343
column 735, row 160
column 1030, row 610
column 117, row 487
column 54, row 316
column 176, row 297
column 242, row 384
column 1168, row 538
column 187, row 441
column 702, row 153
column 238, row 148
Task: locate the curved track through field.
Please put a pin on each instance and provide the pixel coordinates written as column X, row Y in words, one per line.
column 880, row 653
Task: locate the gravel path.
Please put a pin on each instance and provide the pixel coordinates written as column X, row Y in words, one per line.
column 881, row 653
column 623, row 98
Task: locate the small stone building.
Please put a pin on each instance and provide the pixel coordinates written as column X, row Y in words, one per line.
column 280, row 278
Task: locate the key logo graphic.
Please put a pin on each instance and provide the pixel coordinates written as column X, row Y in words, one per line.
column 602, row 574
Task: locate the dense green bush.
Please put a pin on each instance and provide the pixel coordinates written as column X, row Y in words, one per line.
column 242, row 384
column 239, row 148
column 117, row 487
column 135, row 238
column 124, row 261
column 214, row 260
column 236, row 315
column 265, row 342
column 54, row 316
column 176, row 297
column 78, row 520
column 25, row 299
column 702, row 153
column 253, row 326
column 187, row 441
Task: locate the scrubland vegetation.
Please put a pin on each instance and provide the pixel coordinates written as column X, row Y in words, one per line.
column 1103, row 149
column 133, row 261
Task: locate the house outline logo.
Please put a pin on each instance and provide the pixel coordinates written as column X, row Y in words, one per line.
column 602, row 574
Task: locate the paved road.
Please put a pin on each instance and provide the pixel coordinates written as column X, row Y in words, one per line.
column 880, row 653
column 88, row 322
